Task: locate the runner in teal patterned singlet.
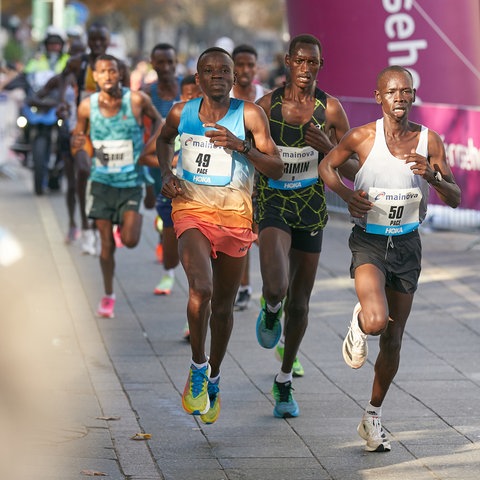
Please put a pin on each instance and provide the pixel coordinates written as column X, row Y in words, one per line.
column 115, row 118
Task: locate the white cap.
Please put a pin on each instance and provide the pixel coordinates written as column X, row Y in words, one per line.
column 53, row 31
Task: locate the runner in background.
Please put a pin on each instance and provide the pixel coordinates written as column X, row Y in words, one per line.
column 245, row 88
column 164, row 92
column 114, row 119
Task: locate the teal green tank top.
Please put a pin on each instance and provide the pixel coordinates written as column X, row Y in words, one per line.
column 117, row 142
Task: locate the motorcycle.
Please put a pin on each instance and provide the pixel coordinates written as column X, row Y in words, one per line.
column 40, row 137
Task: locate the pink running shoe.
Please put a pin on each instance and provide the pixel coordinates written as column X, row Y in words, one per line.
column 105, row 308
column 117, row 236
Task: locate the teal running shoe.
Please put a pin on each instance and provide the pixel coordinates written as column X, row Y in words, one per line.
column 285, row 404
column 269, row 326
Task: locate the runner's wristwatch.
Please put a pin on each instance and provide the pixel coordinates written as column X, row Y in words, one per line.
column 247, row 146
column 437, row 176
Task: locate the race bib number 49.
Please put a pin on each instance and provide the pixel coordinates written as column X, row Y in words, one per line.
column 203, row 163
column 395, row 211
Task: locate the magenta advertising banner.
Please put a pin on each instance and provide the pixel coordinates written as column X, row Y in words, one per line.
column 437, row 40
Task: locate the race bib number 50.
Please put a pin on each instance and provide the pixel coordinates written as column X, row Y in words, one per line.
column 395, row 210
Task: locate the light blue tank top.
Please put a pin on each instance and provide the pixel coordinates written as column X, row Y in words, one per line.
column 235, row 196
column 242, row 174
column 118, row 141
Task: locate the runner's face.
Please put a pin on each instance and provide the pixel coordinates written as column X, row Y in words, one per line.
column 54, row 45
column 245, row 68
column 215, row 74
column 395, row 93
column 106, row 75
column 304, row 64
column 164, row 62
column 190, row 91
column 98, row 41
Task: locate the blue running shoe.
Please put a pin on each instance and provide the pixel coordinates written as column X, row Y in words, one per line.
column 285, row 404
column 214, row 411
column 269, row 326
column 195, row 396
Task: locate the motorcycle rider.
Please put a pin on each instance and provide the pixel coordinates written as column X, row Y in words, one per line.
column 42, row 67
column 52, row 61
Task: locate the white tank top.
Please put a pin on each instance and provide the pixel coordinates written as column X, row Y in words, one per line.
column 402, row 196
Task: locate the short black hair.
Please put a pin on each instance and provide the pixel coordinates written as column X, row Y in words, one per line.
column 213, row 50
column 304, row 38
column 244, row 48
column 162, row 46
column 107, row 58
column 188, row 80
column 97, row 26
column 394, row 68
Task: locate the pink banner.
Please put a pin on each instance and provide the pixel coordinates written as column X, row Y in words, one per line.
column 437, row 40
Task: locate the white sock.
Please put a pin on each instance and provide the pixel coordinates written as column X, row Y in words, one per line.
column 214, row 379
column 170, row 272
column 274, row 309
column 112, row 296
column 245, row 288
column 372, row 411
column 283, row 377
column 199, row 365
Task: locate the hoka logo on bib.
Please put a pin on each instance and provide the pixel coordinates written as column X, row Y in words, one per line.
column 201, row 179
column 394, row 231
column 292, row 185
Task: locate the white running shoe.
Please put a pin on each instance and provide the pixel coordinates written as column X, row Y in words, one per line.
column 88, row 242
column 371, row 430
column 355, row 348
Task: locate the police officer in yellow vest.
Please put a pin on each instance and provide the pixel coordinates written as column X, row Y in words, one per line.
column 50, row 62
